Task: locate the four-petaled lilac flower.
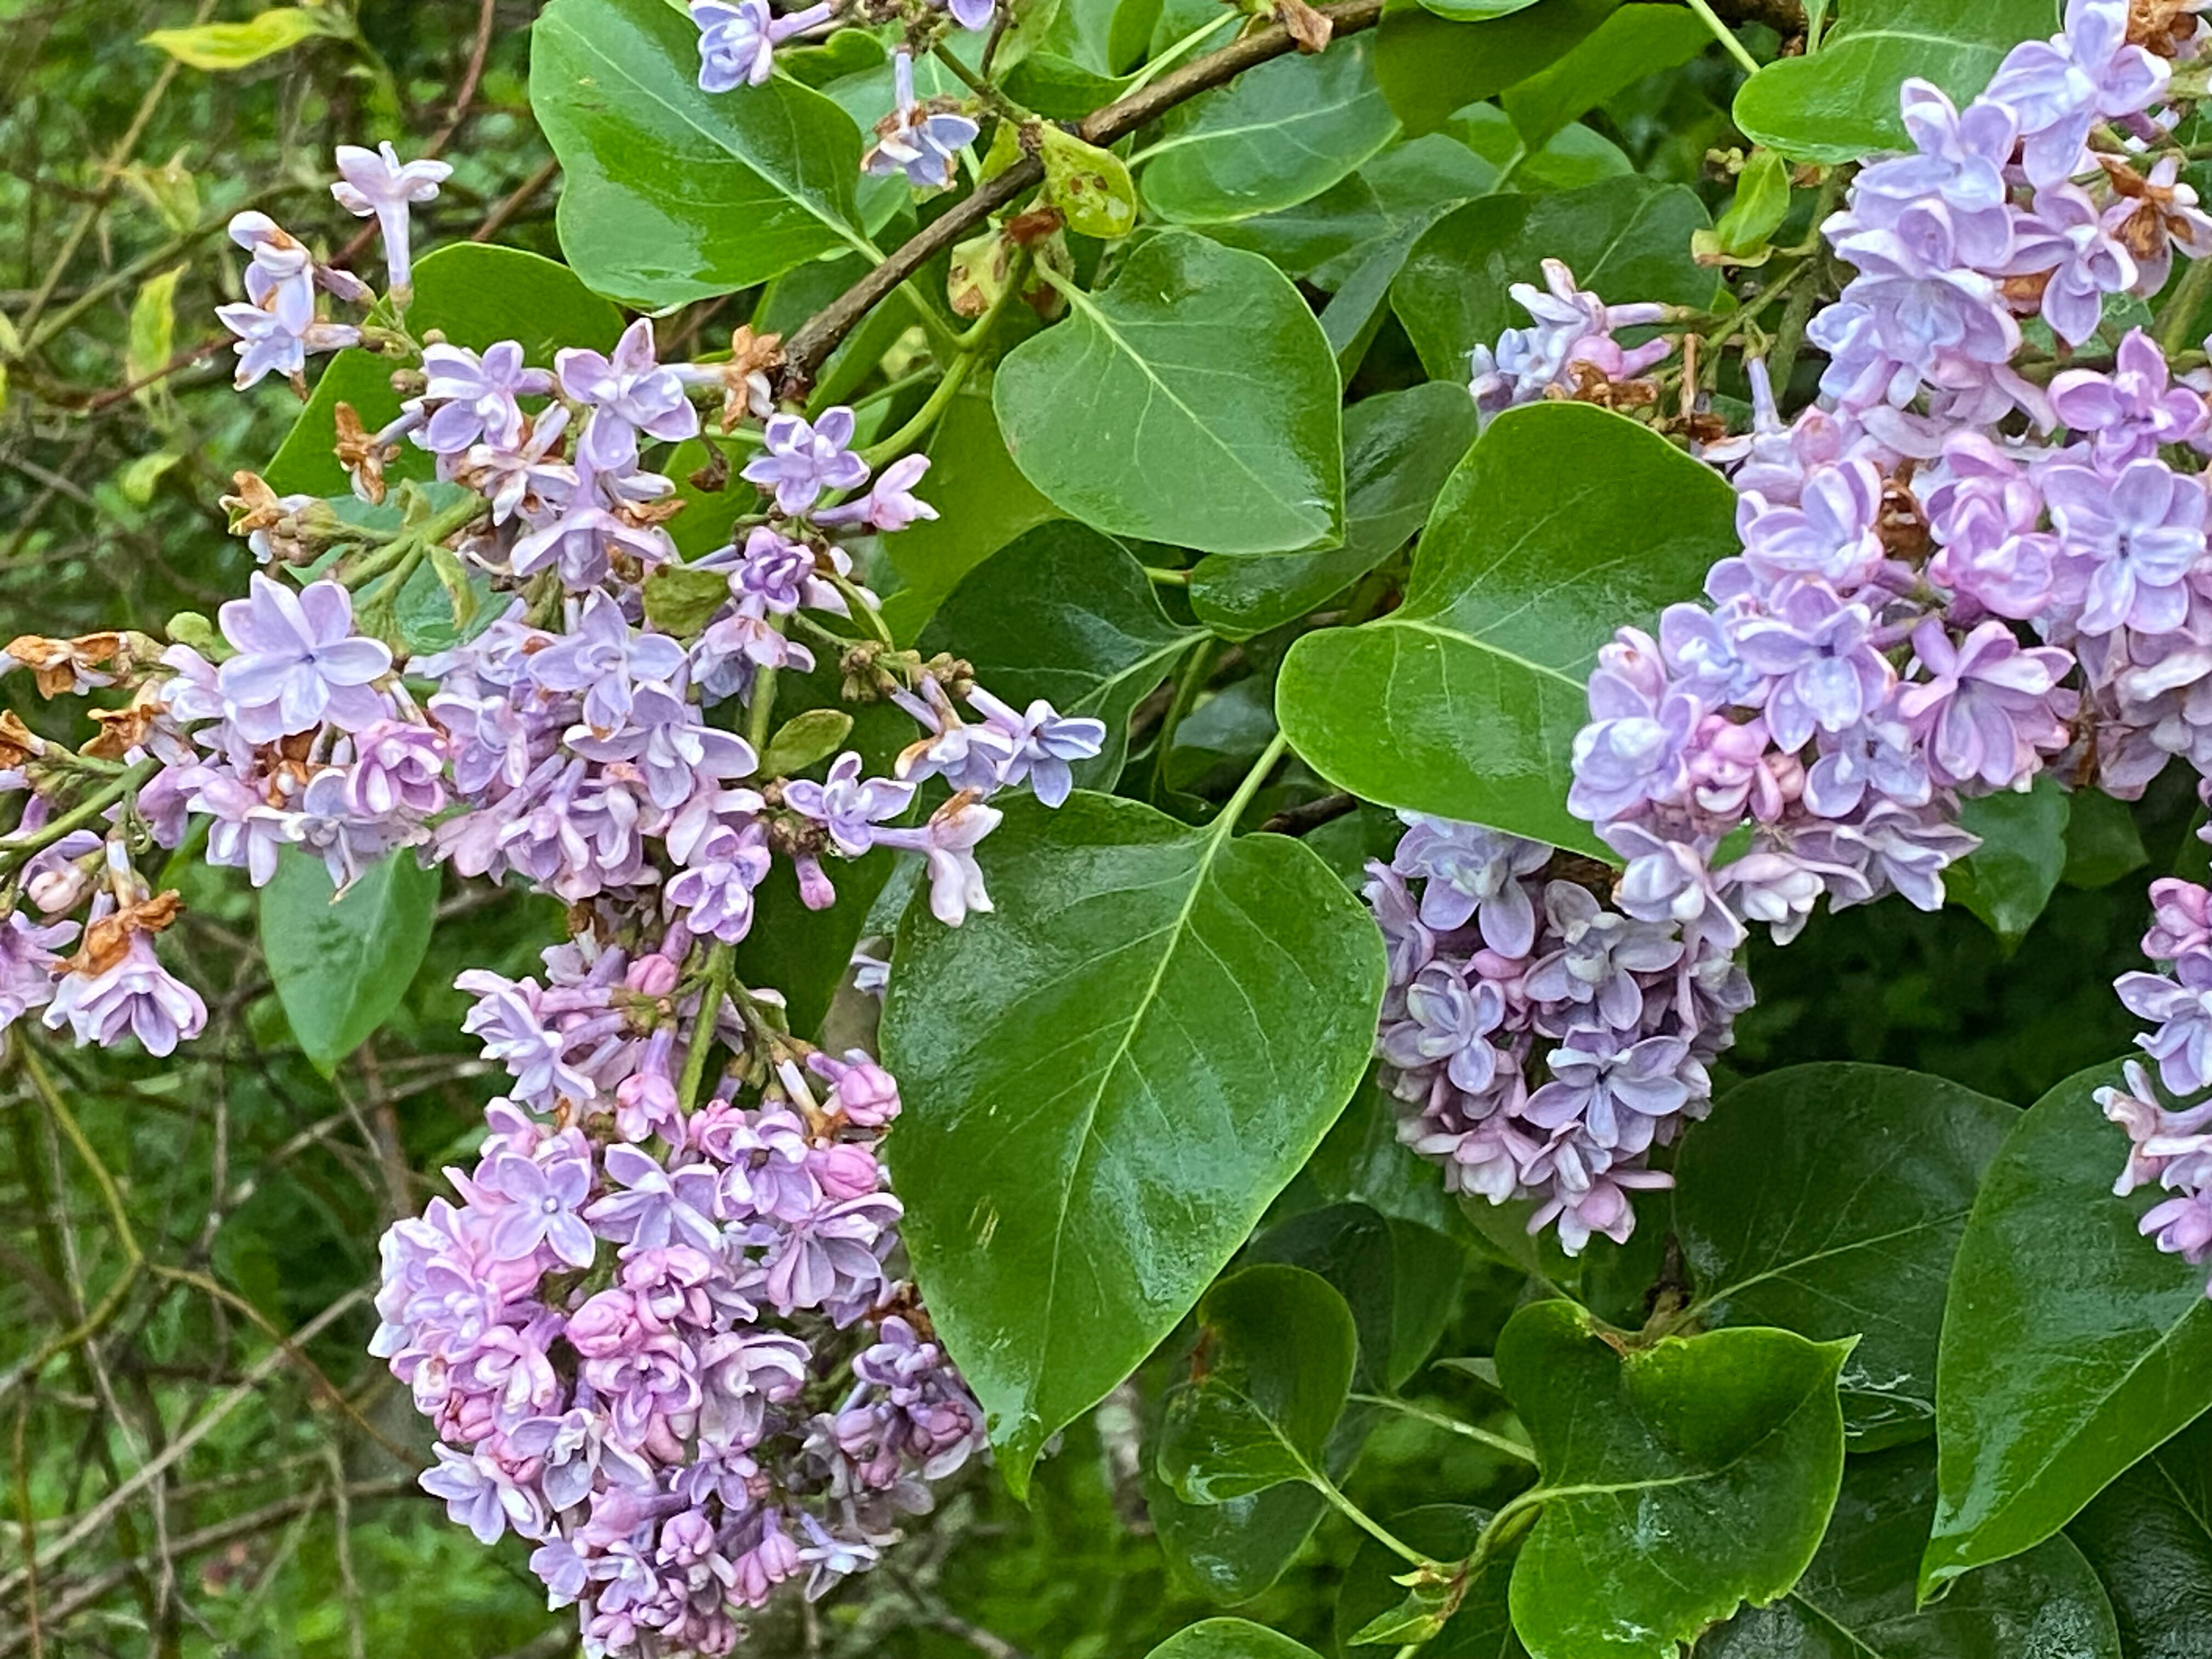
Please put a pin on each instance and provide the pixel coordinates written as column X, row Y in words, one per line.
column 917, row 139
column 375, row 182
column 804, row 459
column 1829, row 674
column 2128, row 413
column 2066, row 241
column 2129, row 541
column 1986, row 711
column 738, row 41
column 475, row 396
column 849, row 805
column 1044, row 742
column 1473, row 874
column 299, row 662
column 480, row 1495
column 629, row 393
column 2182, row 1007
column 661, row 1207
column 543, row 1201
column 891, row 504
column 2060, row 88
column 607, row 660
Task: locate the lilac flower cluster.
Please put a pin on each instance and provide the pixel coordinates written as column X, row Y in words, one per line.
column 665, row 1339
column 670, row 1348
column 920, row 138
column 1952, row 578
column 2168, row 1147
column 1541, row 1042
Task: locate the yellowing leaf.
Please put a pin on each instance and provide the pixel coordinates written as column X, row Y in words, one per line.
column 220, row 46
column 153, row 333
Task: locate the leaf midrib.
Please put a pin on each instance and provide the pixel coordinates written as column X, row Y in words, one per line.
column 1214, row 840
column 1081, row 300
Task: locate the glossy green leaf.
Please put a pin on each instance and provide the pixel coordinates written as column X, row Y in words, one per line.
column 221, row 46
column 2102, row 842
column 1480, row 1627
column 670, row 193
column 680, row 600
column 1635, row 41
column 1429, row 66
column 1302, row 237
column 1619, row 236
column 982, row 503
column 1199, row 373
column 341, row 968
column 1575, row 157
column 1828, row 1199
column 477, row 295
column 1362, row 1159
column 1680, row 1480
column 2150, row 1537
column 1856, row 1599
column 1761, row 203
column 2010, row 877
column 1841, row 102
column 2072, row 1345
column 804, row 739
column 1275, row 1363
column 1107, row 1079
column 1475, row 11
column 1563, row 523
column 1350, row 1246
column 1274, row 137
column 1399, row 447
column 1067, row 615
column 1230, row 1638
column 1232, row 1551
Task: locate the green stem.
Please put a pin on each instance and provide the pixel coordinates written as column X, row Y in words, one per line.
column 85, row 812
column 864, row 609
column 761, row 712
column 1366, row 1522
column 1276, row 749
column 1512, row 1448
column 716, row 985
column 1725, row 35
column 994, row 99
column 1190, row 680
column 1166, row 578
column 932, row 411
column 1175, row 53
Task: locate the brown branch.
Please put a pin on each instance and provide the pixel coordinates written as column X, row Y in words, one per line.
column 1309, row 814
column 804, row 351
column 1785, row 17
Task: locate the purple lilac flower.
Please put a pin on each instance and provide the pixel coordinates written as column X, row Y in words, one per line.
column 915, row 139
column 2130, row 540
column 376, row 183
column 1828, row 672
column 2060, row 88
column 2066, row 241
column 1042, row 742
column 849, row 805
column 2128, row 413
column 602, row 657
column 135, row 996
column 299, row 662
column 475, row 396
column 1473, row 874
column 543, row 1201
column 1986, row 711
column 630, row 394
column 803, row 459
column 738, row 41
column 28, row 964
